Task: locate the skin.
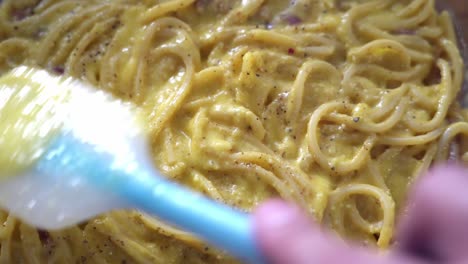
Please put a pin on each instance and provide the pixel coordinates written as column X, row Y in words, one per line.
column 435, row 229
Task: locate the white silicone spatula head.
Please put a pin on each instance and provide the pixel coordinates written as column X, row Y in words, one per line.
column 89, row 155
column 53, row 200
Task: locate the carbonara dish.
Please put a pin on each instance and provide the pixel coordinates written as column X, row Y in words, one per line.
column 335, row 105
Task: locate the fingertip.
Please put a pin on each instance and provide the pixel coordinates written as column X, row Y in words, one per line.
column 286, row 235
column 439, row 183
column 273, row 206
column 276, row 214
column 278, row 227
column 434, row 225
column 449, row 170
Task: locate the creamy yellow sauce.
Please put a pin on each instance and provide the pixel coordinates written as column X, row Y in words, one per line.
column 28, row 119
column 335, row 105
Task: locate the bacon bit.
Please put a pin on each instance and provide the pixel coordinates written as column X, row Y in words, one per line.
column 434, row 77
column 20, row 14
column 291, row 19
column 58, row 70
column 44, row 236
column 291, row 51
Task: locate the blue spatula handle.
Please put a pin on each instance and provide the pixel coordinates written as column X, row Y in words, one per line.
column 217, row 224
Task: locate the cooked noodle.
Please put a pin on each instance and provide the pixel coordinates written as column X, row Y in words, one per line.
column 335, row 105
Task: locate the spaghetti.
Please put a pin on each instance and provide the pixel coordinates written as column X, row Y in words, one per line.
column 335, row 105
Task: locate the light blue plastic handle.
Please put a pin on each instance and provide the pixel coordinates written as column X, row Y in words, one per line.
column 215, row 223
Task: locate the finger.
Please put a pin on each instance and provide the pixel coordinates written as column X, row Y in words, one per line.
column 436, row 227
column 285, row 235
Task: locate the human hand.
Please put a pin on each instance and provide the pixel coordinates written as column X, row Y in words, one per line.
column 435, row 230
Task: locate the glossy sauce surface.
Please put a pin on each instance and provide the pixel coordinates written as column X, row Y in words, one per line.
column 337, row 106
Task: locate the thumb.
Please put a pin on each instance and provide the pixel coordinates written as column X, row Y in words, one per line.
column 285, row 235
